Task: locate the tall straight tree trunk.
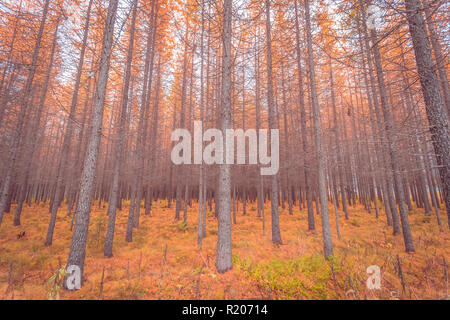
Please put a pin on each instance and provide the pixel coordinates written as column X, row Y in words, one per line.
column 7, row 69
column 276, row 235
column 207, row 103
column 135, row 198
column 286, row 143
column 336, row 141
column 59, row 192
column 420, row 160
column 33, row 146
column 391, row 139
column 334, row 196
column 326, row 231
column 77, row 251
column 201, row 178
column 142, row 137
column 386, row 177
column 432, row 95
column 260, row 191
column 154, row 137
column 440, row 59
column 180, row 171
column 306, row 173
column 223, row 196
column 244, row 187
column 73, row 180
column 24, row 103
column 188, row 172
column 112, row 205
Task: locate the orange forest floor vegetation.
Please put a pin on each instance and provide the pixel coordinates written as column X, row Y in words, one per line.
column 164, row 261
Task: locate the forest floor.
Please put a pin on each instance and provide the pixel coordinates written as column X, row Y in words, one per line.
column 164, row 262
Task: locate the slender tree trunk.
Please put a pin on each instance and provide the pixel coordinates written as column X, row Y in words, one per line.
column 136, row 188
column 5, row 93
column 78, row 247
column 200, row 188
column 24, row 104
column 33, row 147
column 260, row 191
column 432, row 95
column 440, row 59
column 223, row 196
column 326, row 232
column 59, row 192
column 113, row 198
column 391, row 139
column 378, row 132
column 276, row 235
column 306, row 174
column 337, row 142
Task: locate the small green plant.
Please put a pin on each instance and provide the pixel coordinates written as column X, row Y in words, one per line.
column 305, row 277
column 182, row 226
column 131, row 291
column 55, row 283
column 97, row 237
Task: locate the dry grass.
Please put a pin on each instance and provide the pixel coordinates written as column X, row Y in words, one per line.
column 262, row 270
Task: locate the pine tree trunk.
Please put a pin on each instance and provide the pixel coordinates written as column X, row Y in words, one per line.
column 306, row 174
column 78, row 247
column 24, row 104
column 326, row 232
column 223, row 196
column 432, row 95
column 276, row 235
column 59, row 191
column 114, row 195
column 391, row 139
column 34, row 147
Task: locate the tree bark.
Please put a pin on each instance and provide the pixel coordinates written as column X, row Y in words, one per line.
column 432, row 95
column 223, row 197
column 113, row 198
column 306, row 174
column 59, row 192
column 326, row 231
column 391, row 139
column 78, row 247
column 276, row 235
column 24, row 104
